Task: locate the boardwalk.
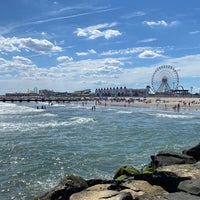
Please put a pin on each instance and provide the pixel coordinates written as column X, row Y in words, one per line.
column 42, row 99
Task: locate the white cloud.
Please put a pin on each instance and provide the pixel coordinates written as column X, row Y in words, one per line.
column 22, row 60
column 88, row 68
column 41, row 46
column 160, row 23
column 188, row 65
column 91, row 51
column 7, row 45
column 111, row 33
column 64, row 59
column 28, row 44
column 194, row 32
column 94, row 73
column 134, row 14
column 18, row 66
column 149, row 54
column 100, row 30
column 133, row 50
column 147, row 40
column 124, row 51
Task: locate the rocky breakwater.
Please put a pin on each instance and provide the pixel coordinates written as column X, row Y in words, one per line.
column 169, row 176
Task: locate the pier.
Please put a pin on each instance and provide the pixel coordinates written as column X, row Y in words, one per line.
column 44, row 99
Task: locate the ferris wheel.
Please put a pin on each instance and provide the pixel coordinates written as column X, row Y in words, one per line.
column 164, row 79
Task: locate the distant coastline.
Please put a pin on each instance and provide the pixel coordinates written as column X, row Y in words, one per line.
column 163, row 102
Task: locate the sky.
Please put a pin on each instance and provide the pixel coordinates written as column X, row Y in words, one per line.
column 70, row 45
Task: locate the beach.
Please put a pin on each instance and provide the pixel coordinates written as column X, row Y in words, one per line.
column 174, row 103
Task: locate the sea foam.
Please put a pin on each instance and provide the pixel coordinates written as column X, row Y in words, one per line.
column 174, row 116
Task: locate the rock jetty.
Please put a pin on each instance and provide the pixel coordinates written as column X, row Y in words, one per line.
column 169, row 176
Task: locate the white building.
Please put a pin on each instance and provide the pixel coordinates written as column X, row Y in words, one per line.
column 121, row 92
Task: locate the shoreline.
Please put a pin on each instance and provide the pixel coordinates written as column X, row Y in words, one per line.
column 173, row 103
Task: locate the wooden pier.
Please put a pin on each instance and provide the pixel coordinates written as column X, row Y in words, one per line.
column 44, row 99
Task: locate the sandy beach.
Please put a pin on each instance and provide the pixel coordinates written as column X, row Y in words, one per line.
column 175, row 103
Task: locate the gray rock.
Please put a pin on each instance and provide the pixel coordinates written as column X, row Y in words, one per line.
column 143, row 187
column 194, row 152
column 168, row 180
column 124, row 196
column 172, row 158
column 190, row 186
column 179, row 196
column 185, row 170
column 68, row 185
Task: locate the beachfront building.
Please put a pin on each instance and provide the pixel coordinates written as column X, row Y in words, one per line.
column 21, row 94
column 121, row 92
column 51, row 93
column 85, row 92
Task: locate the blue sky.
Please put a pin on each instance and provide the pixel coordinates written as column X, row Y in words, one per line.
column 69, row 45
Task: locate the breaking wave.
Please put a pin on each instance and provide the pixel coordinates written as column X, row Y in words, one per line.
column 174, row 116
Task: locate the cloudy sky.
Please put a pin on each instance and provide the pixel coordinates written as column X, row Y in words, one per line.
column 69, row 45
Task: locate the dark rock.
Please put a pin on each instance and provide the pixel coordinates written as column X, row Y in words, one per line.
column 171, row 158
column 69, row 185
column 92, row 182
column 190, row 186
column 179, row 196
column 168, row 180
column 125, row 196
column 194, row 152
column 117, row 186
column 145, row 177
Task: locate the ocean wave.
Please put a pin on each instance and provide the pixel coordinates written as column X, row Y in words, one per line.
column 23, row 127
column 124, row 112
column 58, row 105
column 81, row 120
column 174, row 116
column 12, row 109
column 48, row 115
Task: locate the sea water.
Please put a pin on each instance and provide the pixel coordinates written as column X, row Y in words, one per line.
column 40, row 146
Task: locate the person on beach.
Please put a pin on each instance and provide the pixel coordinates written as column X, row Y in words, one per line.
column 178, row 107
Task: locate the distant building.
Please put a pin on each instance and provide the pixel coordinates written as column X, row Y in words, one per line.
column 122, row 92
column 21, row 94
column 82, row 92
column 51, row 93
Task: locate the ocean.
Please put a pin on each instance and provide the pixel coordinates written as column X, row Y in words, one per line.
column 40, row 146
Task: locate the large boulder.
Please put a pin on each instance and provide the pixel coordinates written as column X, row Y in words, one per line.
column 68, row 185
column 179, row 196
column 143, row 189
column 171, row 158
column 191, row 171
column 167, row 180
column 101, row 191
column 94, row 193
column 127, row 190
column 190, row 186
column 92, row 182
column 194, row 152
